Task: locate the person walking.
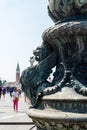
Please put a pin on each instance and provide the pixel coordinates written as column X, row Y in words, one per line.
column 25, row 97
column 15, row 96
column 3, row 91
column 11, row 91
column 0, row 92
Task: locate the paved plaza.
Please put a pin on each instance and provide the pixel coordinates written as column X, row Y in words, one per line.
column 7, row 115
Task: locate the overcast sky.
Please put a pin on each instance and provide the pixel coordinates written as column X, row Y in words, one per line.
column 22, row 23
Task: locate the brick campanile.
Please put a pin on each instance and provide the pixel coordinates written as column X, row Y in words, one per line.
column 17, row 72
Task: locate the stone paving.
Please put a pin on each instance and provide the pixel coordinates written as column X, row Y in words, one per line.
column 7, row 115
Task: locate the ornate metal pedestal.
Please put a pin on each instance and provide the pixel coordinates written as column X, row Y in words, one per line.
column 62, row 103
column 65, row 110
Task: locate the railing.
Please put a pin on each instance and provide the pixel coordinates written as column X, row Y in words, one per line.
column 18, row 123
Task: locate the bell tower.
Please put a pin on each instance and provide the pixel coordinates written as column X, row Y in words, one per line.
column 17, row 72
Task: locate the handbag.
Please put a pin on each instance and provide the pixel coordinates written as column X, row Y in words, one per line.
column 17, row 98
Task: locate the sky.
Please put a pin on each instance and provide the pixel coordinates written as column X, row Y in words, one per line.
column 22, row 23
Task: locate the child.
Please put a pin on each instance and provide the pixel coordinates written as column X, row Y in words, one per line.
column 15, row 96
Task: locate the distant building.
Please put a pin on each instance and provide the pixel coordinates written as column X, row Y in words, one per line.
column 17, row 72
column 15, row 83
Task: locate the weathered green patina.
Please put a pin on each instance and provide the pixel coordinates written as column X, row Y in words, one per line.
column 65, row 48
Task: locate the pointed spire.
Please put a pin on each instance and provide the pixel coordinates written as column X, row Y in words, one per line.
column 17, row 72
column 17, row 68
